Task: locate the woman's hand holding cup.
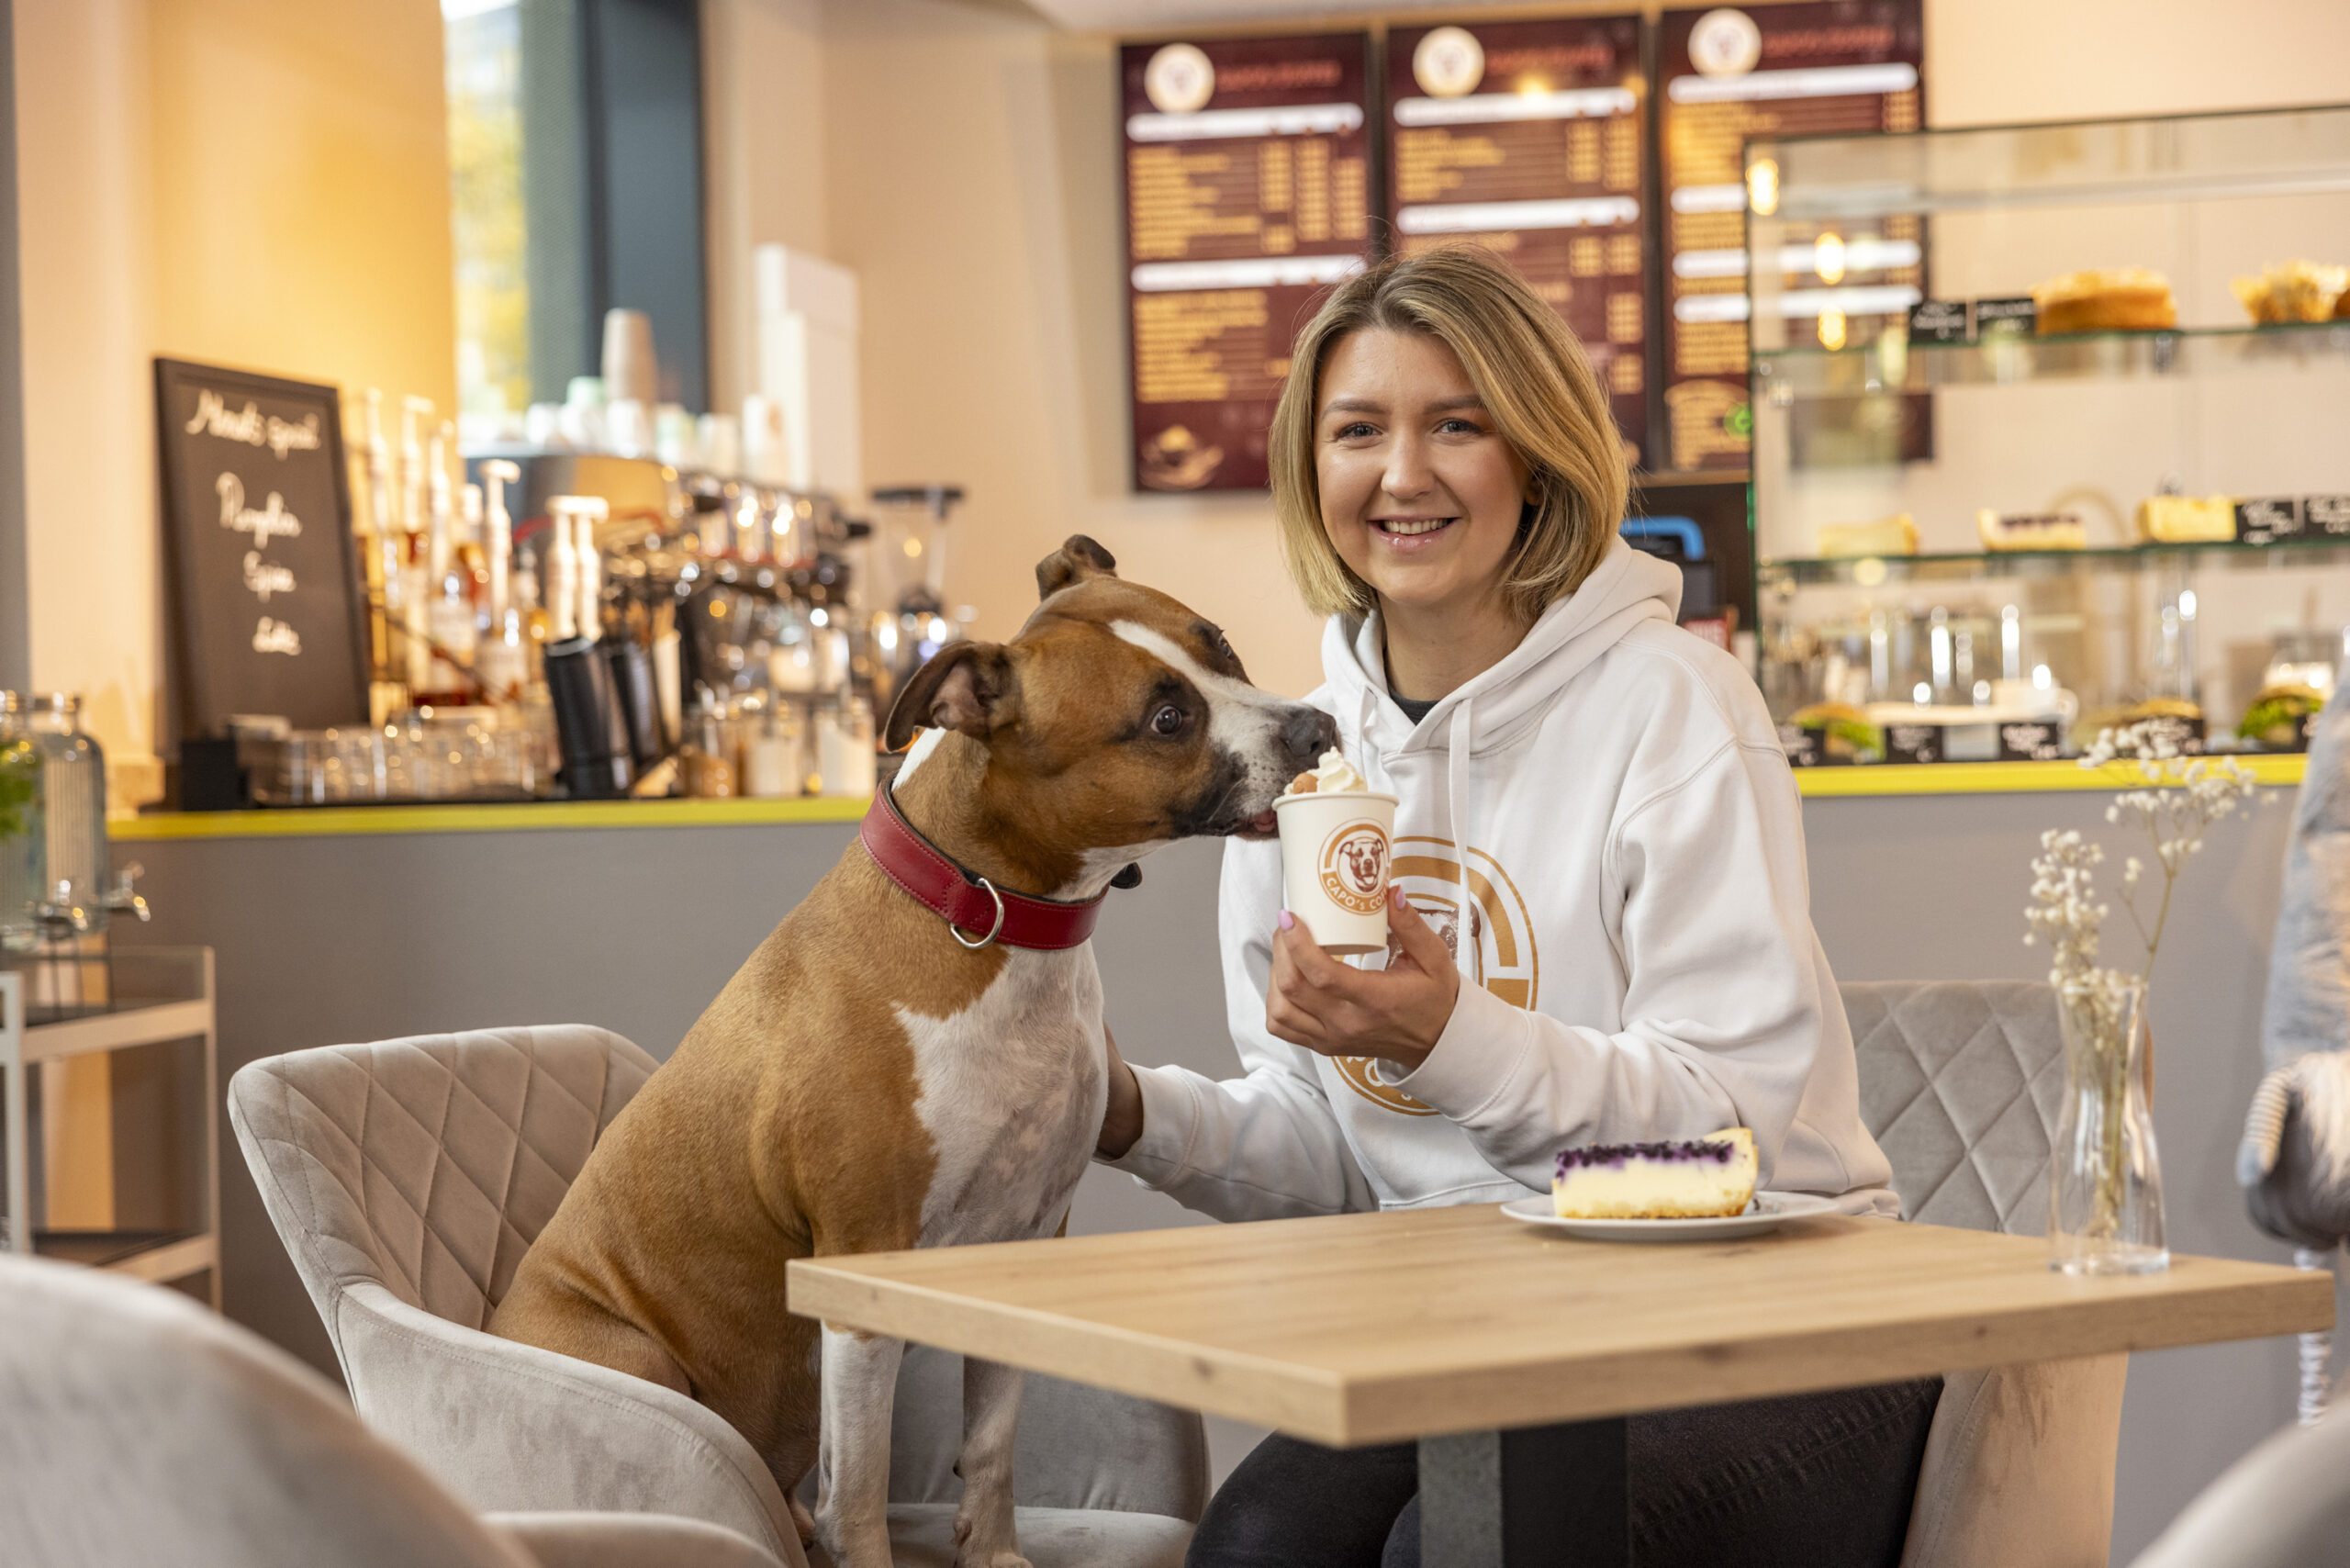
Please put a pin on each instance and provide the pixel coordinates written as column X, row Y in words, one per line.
column 1334, row 1009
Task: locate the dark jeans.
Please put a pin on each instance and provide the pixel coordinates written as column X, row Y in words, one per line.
column 1810, row 1480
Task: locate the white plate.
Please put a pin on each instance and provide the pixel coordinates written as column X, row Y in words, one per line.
column 1769, row 1211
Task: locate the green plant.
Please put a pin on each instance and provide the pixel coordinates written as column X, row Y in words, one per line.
column 20, row 781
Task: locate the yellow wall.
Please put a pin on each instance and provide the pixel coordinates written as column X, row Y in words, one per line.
column 246, row 182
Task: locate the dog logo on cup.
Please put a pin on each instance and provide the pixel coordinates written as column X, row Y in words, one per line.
column 1354, row 866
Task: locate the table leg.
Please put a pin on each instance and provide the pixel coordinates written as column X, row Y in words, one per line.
column 1552, row 1497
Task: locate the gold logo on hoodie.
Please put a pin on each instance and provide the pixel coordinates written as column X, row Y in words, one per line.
column 1484, row 924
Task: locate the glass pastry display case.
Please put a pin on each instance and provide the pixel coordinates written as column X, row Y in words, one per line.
column 2048, row 433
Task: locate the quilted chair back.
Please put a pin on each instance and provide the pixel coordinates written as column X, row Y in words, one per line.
column 1960, row 1084
column 142, row 1429
column 408, row 1177
column 431, row 1164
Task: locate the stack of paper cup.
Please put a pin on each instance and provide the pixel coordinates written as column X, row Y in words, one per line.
column 1337, row 846
column 766, row 458
column 630, row 372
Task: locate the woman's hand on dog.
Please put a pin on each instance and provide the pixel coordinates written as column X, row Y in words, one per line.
column 1397, row 1013
column 1121, row 1121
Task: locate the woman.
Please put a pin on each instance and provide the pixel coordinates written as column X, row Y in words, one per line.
column 1600, row 924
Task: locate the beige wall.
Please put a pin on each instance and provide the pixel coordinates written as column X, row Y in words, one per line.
column 1999, row 61
column 763, row 168
column 246, row 182
column 973, row 183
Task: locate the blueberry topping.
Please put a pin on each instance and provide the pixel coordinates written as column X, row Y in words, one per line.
column 1720, row 1152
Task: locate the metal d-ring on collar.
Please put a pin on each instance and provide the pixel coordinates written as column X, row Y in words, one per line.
column 956, row 932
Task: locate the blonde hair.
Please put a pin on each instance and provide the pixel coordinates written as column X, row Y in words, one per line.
column 1536, row 384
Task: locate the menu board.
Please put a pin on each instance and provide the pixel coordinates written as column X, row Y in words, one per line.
column 263, row 590
column 1725, row 74
column 1526, row 137
column 1247, row 193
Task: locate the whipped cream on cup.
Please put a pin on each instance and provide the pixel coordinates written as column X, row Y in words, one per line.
column 1334, row 772
column 1338, row 841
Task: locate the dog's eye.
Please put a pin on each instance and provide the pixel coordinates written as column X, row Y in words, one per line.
column 1168, row 720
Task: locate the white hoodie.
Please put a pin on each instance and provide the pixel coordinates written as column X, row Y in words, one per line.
column 1637, row 959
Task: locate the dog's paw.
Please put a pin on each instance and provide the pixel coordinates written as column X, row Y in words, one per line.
column 974, row 1554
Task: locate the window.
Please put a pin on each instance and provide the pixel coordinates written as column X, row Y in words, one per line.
column 485, row 210
column 575, row 161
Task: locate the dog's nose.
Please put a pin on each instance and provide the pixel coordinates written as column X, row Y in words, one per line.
column 1308, row 732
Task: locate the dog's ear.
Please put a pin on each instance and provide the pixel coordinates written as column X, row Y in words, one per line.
column 1076, row 559
column 965, row 686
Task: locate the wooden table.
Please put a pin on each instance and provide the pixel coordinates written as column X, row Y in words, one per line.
column 1502, row 1347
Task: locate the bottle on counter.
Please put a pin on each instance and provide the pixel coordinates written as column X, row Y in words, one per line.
column 454, row 623
column 72, row 810
column 379, row 540
column 844, row 745
column 502, row 665
column 669, row 672
column 574, row 584
column 562, row 586
column 772, row 766
column 417, row 586
column 536, row 625
column 707, row 768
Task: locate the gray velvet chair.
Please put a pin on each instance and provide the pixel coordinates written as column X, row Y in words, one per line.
column 136, row 1427
column 408, row 1178
column 2284, row 1505
column 1960, row 1083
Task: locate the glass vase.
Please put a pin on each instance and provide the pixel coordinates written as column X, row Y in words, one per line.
column 2105, row 1181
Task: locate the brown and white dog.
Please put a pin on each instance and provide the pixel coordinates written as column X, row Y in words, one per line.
column 871, row 1081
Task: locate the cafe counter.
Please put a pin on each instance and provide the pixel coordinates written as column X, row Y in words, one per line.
column 340, row 924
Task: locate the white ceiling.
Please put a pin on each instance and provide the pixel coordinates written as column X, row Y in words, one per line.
column 1162, row 19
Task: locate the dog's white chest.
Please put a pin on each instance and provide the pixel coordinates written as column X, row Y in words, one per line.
column 1012, row 1091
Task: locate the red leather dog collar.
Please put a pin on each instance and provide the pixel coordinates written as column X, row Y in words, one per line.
column 976, row 911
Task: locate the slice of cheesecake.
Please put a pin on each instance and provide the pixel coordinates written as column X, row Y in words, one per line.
column 1708, row 1178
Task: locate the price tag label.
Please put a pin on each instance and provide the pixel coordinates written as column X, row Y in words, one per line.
column 2032, row 740
column 2326, row 514
column 2015, row 317
column 2266, row 519
column 1802, row 746
column 1937, row 321
column 1913, row 743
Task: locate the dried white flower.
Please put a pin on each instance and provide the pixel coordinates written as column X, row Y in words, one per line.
column 2188, row 797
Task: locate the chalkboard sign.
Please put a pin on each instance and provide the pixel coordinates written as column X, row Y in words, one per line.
column 263, row 590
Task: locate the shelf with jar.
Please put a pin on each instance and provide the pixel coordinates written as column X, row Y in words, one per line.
column 2045, row 433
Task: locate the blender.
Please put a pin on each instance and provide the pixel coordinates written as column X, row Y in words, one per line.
column 907, row 582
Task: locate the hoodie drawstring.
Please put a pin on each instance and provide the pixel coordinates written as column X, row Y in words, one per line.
column 1459, row 736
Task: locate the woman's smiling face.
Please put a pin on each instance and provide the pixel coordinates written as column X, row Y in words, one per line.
column 1420, row 494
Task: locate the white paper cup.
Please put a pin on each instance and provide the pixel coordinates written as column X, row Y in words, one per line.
column 1336, row 849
